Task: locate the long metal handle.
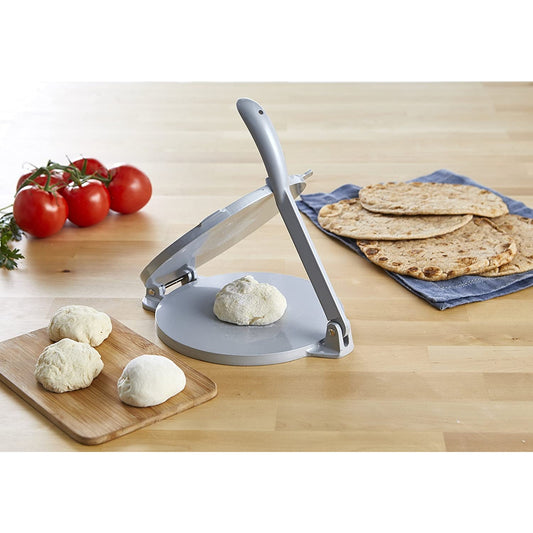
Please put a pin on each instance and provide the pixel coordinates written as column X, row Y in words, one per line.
column 267, row 142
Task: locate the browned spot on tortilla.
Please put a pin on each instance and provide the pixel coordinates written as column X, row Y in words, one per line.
column 466, row 260
column 431, row 272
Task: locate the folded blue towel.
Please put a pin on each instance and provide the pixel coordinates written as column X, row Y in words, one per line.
column 440, row 294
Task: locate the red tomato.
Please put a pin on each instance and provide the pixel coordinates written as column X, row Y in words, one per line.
column 129, row 188
column 38, row 212
column 56, row 178
column 91, row 165
column 88, row 203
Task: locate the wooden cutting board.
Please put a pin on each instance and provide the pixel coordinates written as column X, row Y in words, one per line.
column 95, row 414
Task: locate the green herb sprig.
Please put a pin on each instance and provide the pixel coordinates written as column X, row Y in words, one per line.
column 9, row 232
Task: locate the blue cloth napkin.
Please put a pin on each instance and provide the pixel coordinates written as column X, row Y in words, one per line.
column 440, row 294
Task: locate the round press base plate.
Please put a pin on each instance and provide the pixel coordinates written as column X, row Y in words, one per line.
column 186, row 323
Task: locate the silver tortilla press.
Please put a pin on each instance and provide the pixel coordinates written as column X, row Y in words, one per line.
column 314, row 323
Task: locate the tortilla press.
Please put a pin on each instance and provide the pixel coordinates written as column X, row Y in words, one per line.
column 314, row 323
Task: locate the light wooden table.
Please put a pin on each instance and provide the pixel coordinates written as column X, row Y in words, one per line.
column 418, row 379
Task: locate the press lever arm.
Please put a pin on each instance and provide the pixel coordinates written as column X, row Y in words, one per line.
column 268, row 144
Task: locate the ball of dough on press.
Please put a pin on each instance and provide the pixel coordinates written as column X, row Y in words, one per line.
column 80, row 323
column 68, row 365
column 247, row 302
column 150, row 380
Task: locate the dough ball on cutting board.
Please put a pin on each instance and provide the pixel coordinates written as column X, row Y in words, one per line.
column 150, row 380
column 80, row 323
column 68, row 365
column 247, row 302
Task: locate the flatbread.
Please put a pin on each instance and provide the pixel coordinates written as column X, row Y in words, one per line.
column 428, row 198
column 476, row 247
column 521, row 230
column 348, row 218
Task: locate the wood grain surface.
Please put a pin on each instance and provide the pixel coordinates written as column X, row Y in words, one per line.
column 418, row 380
column 95, row 414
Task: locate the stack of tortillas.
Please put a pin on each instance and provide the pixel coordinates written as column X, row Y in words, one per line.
column 434, row 231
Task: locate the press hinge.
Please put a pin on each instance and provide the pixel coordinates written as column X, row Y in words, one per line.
column 334, row 345
column 155, row 293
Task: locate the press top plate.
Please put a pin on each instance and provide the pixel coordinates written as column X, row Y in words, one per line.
column 216, row 233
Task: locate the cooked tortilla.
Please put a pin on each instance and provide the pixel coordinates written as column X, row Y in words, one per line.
column 428, row 198
column 348, row 218
column 474, row 248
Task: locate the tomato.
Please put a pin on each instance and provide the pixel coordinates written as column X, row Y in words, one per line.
column 89, row 166
column 129, row 188
column 56, row 178
column 38, row 212
column 88, row 203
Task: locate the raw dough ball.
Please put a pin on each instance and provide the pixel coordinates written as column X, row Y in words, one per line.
column 80, row 323
column 67, row 365
column 150, row 380
column 247, row 302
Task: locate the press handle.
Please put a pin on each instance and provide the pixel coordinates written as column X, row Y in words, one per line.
column 338, row 335
column 267, row 142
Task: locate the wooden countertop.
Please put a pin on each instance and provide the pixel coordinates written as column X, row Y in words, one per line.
column 419, row 379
